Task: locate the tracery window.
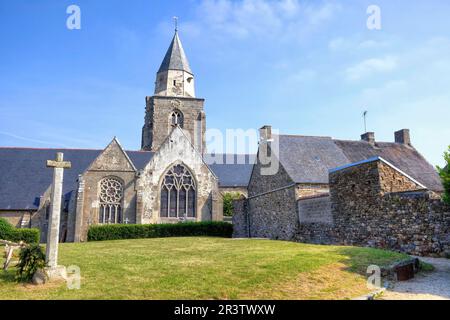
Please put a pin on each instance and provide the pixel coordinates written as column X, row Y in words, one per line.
column 177, row 119
column 178, row 194
column 111, row 194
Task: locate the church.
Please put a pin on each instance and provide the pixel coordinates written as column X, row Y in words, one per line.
column 173, row 178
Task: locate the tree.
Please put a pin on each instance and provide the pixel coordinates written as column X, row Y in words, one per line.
column 228, row 202
column 445, row 176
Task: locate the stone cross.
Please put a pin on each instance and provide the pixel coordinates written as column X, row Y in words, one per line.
column 58, row 166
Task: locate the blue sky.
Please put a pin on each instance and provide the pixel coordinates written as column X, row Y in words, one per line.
column 305, row 67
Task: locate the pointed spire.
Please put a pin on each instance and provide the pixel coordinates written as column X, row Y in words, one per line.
column 175, row 58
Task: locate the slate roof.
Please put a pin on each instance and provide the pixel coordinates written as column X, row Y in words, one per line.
column 24, row 176
column 308, row 159
column 175, row 58
column 232, row 170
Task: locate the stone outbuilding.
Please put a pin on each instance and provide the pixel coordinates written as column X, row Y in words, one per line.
column 381, row 194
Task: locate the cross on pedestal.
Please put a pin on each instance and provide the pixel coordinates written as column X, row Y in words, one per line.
column 58, row 166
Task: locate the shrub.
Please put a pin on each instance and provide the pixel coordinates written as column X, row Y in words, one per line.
column 31, row 258
column 445, row 176
column 8, row 232
column 228, row 202
column 137, row 231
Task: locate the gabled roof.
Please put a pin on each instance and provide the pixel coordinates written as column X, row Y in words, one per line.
column 404, row 157
column 24, row 176
column 175, row 58
column 307, row 159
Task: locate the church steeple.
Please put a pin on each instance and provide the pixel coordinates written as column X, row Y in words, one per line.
column 174, row 103
column 175, row 77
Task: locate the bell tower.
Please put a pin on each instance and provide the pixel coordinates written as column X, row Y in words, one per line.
column 174, row 102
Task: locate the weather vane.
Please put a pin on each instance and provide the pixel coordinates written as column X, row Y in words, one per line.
column 175, row 19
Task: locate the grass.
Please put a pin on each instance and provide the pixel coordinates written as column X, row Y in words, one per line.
column 207, row 268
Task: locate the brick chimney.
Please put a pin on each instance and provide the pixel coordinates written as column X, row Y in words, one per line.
column 265, row 133
column 369, row 137
column 403, row 137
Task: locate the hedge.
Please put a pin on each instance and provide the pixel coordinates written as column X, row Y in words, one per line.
column 138, row 231
column 8, row 232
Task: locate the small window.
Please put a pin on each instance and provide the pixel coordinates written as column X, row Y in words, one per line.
column 175, row 82
column 177, row 119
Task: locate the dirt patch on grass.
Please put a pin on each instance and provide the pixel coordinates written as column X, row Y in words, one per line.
column 330, row 282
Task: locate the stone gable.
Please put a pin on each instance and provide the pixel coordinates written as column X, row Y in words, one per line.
column 178, row 149
column 113, row 158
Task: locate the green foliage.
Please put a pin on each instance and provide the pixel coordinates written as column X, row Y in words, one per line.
column 31, row 258
column 8, row 232
column 445, row 176
column 138, row 231
column 228, row 202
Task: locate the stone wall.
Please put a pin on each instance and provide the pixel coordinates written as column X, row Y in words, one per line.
column 158, row 122
column 16, row 217
column 376, row 205
column 240, row 218
column 315, row 210
column 272, row 208
column 112, row 162
column 304, row 190
column 241, row 190
column 177, row 149
column 315, row 220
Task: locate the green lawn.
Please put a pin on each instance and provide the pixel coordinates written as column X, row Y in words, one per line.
column 207, row 268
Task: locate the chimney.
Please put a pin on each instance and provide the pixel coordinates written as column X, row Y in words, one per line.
column 403, row 137
column 369, row 137
column 265, row 133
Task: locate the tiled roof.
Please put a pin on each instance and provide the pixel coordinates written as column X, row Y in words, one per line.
column 308, row 159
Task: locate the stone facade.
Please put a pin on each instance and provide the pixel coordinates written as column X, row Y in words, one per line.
column 158, row 120
column 376, row 205
column 304, row 190
column 270, row 208
column 174, row 130
column 113, row 162
column 371, row 203
column 178, row 149
column 19, row 219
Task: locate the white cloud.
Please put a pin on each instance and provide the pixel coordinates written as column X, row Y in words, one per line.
column 371, row 66
column 266, row 18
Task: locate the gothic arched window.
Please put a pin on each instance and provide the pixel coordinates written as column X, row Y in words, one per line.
column 177, row 118
column 178, row 193
column 111, row 194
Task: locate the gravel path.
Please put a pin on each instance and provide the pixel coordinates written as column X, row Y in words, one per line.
column 433, row 285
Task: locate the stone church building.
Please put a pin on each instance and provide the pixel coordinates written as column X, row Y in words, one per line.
column 324, row 190
column 170, row 179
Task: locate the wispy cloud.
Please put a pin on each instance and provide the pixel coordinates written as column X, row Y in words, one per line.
column 370, row 67
column 32, row 140
column 242, row 19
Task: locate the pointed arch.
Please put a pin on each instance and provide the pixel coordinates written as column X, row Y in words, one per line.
column 177, row 118
column 178, row 193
